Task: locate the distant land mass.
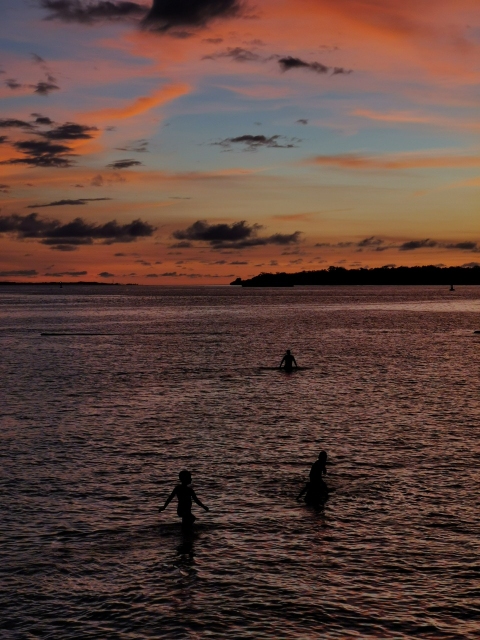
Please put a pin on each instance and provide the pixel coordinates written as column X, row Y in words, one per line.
column 426, row 275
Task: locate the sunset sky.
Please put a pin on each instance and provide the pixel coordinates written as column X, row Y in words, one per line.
column 202, row 140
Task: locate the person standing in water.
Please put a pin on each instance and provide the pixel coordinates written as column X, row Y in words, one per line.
column 319, row 467
column 316, row 493
column 316, row 490
column 185, row 495
column 288, row 361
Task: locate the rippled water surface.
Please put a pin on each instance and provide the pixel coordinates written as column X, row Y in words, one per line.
column 96, row 425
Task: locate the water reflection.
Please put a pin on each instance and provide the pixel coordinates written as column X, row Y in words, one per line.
column 185, row 549
column 96, row 427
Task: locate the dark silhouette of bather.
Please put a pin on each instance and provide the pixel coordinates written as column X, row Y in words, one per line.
column 316, row 493
column 185, row 495
column 288, row 361
column 316, row 490
column 319, row 467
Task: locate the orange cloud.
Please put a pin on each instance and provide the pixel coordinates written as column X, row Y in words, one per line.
column 392, row 48
column 471, row 182
column 142, row 104
column 393, row 116
column 358, row 161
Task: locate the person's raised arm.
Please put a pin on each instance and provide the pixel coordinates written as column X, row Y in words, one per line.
column 168, row 500
column 198, row 501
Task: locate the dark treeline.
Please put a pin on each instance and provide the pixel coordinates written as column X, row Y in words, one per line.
column 427, row 275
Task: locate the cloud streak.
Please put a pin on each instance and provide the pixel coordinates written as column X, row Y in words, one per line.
column 289, row 62
column 89, row 13
column 168, row 14
column 27, row 273
column 41, row 153
column 14, row 123
column 356, row 161
column 124, row 164
column 238, row 54
column 69, row 131
column 140, row 105
column 254, row 142
column 60, row 203
column 413, row 245
column 60, row 274
column 45, row 88
column 77, row 232
column 51, row 151
column 238, row 235
column 140, row 146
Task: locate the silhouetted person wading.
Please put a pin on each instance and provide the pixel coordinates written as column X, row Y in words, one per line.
column 288, row 361
column 185, row 495
column 316, row 490
column 319, row 467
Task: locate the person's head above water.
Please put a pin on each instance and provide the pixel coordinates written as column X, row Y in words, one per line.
column 185, row 477
column 322, row 456
column 288, row 351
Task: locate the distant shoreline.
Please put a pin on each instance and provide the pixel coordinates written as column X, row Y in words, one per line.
column 389, row 276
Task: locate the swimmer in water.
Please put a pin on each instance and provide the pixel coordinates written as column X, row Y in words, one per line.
column 316, row 490
column 319, row 467
column 288, row 361
column 185, row 495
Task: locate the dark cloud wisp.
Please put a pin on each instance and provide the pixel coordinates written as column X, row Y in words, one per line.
column 28, row 273
column 124, row 164
column 12, row 84
column 59, row 203
column 92, row 12
column 238, row 235
column 38, row 59
column 60, row 274
column 41, row 120
column 411, row 245
column 167, row 14
column 464, row 246
column 51, row 151
column 69, row 131
column 163, row 15
column 42, row 153
column 254, row 142
column 13, row 123
column 239, row 54
column 74, row 233
column 371, row 241
column 374, row 243
column 42, row 88
column 139, row 146
column 289, row 62
column 45, row 87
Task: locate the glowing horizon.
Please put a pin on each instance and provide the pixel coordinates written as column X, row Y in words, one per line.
column 209, row 140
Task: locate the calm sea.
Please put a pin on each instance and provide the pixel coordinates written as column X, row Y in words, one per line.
column 97, row 423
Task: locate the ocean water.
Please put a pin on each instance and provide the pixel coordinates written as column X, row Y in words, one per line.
column 146, row 381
